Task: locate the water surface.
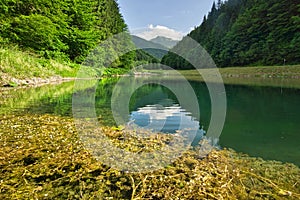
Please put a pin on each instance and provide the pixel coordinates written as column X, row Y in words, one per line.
column 261, row 121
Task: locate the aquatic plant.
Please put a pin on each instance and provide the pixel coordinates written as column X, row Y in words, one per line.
column 42, row 157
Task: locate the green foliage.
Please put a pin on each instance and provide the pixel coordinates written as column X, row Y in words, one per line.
column 114, row 71
column 142, row 55
column 114, row 52
column 248, row 32
column 64, row 30
column 35, row 31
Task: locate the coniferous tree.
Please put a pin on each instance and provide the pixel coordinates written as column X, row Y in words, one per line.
column 249, row 32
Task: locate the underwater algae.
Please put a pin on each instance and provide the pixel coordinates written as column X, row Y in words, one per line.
column 42, row 157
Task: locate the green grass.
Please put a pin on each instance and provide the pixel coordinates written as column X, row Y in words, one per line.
column 260, row 71
column 19, row 64
column 24, row 64
column 275, row 76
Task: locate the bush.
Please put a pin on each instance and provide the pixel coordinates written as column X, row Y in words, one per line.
column 37, row 32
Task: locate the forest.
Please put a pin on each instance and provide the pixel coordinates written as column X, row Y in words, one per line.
column 247, row 33
column 64, row 30
column 234, row 32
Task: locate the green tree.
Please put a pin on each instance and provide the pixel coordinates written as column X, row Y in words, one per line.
column 66, row 28
column 249, row 32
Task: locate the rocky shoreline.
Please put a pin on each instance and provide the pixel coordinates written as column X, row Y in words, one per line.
column 7, row 82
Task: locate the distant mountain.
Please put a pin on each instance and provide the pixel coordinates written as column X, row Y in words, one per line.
column 156, row 50
column 167, row 42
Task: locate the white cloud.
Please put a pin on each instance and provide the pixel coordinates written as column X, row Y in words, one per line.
column 153, row 31
column 159, row 116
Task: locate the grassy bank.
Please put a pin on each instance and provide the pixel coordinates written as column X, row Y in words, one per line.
column 43, row 159
column 22, row 65
column 274, row 76
column 18, row 64
column 277, row 76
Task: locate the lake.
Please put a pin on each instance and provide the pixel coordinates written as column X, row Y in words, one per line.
column 260, row 121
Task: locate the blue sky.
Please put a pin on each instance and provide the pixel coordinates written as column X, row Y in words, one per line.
column 170, row 18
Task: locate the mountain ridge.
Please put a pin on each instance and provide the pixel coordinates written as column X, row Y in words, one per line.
column 154, row 49
column 165, row 41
